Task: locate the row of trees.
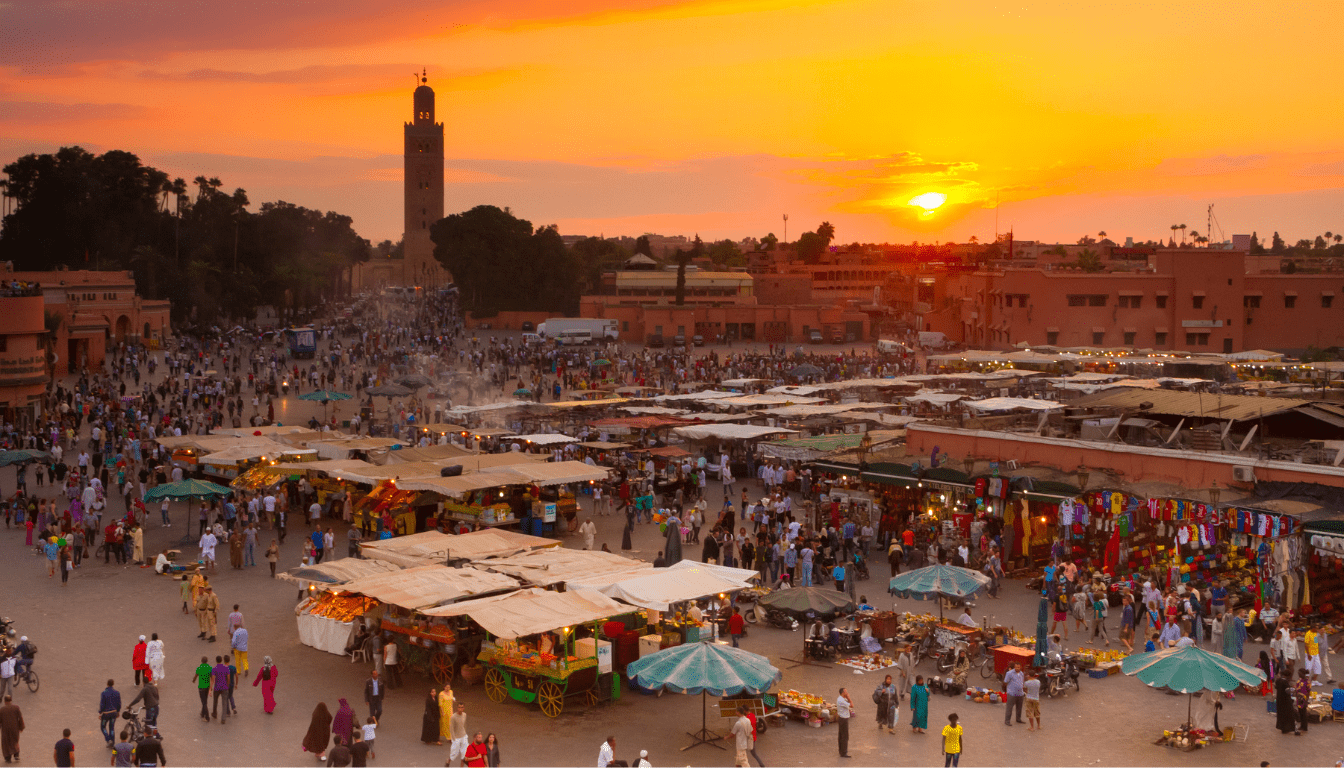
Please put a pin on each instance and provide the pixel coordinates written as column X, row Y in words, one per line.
column 196, row 244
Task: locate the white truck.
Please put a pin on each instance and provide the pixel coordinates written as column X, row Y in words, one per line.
column 578, row 330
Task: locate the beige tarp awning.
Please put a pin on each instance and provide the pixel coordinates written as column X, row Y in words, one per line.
column 428, row 586
column 337, row 572
column 428, row 453
column 340, row 449
column 241, row 454
column 547, row 567
column 729, row 432
column 554, row 473
column 660, row 588
column 531, row 611
column 461, row 485
column 436, row 547
column 372, row 474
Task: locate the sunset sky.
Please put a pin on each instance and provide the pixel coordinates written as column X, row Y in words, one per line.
column 716, row 116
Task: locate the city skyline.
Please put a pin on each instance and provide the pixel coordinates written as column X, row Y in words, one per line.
column 714, row 117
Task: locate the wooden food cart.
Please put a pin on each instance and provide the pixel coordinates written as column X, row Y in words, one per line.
column 532, row 653
column 427, row 648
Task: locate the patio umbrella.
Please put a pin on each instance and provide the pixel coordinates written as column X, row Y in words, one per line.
column 1042, row 629
column 415, row 380
column 704, row 668
column 1190, row 669
column 809, row 602
column 22, row 456
column 389, row 391
column 187, row 489
column 324, row 395
column 522, row 392
column 601, row 361
column 936, row 581
column 806, row 369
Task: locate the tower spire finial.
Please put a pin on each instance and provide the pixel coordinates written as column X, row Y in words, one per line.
column 424, row 75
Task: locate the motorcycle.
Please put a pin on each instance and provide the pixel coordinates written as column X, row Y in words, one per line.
column 284, row 386
column 1061, row 674
column 774, row 617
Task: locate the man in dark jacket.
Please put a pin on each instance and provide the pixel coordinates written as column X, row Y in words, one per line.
column 109, row 706
column 373, row 694
column 149, row 694
column 149, row 750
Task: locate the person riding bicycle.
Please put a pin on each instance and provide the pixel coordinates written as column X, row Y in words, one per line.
column 26, row 651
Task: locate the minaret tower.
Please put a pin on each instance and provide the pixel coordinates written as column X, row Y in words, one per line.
column 424, row 187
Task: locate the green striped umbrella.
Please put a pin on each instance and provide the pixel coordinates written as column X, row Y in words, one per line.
column 324, row 395
column 1190, row 669
column 186, row 489
column 937, row 581
column 22, row 456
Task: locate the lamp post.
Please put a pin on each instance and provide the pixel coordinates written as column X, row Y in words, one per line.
column 1083, row 473
column 865, row 445
column 1214, row 493
column 969, row 464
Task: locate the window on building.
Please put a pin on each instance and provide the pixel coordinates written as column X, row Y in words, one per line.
column 1129, row 338
column 1097, row 300
column 1131, row 302
column 1197, row 302
column 4, row 343
column 625, row 326
column 1077, row 300
column 1052, row 337
column 1160, row 338
column 1326, row 301
column 1018, row 299
column 1249, row 319
column 1197, row 339
column 1289, row 302
column 1098, row 338
column 1250, row 302
column 1161, row 302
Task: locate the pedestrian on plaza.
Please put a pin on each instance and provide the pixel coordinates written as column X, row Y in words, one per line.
column 736, row 625
column 109, row 707
column 742, row 731
column 390, row 664
column 888, row 701
column 11, row 725
column 202, row 680
column 477, row 755
column 1099, row 618
column 589, row 532
column 154, row 658
column 844, row 707
column 138, row 665
column 149, row 750
column 1012, row 685
column 429, row 722
column 7, row 666
column 207, row 607
column 233, row 684
column 64, row 754
column 373, row 694
column 123, row 752
column 919, row 705
column 219, row 688
column 343, row 724
column 446, row 710
column 457, row 726
column 905, row 670
column 319, row 731
column 340, row 756
column 360, row 751
column 492, row 758
column 273, row 556
column 1032, row 691
column 149, row 694
column 318, row 543
column 369, row 732
column 952, row 738
column 186, row 592
column 266, row 677
column 239, row 645
column 208, row 543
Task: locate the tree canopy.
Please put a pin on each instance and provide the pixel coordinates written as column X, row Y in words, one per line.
column 500, row 262
column 209, row 255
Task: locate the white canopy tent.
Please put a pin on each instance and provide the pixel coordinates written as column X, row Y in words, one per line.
column 1012, row 403
column 660, row 588
column 531, row 611
column 729, row 432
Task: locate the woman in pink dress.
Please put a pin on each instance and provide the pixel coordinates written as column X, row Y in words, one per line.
column 266, row 677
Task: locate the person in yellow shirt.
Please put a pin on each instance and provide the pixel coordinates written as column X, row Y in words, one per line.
column 1313, row 665
column 952, row 733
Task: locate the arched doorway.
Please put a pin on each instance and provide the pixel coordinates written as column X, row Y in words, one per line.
column 123, row 329
column 148, row 335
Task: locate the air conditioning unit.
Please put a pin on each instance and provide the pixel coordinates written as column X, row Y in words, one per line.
column 1244, row 474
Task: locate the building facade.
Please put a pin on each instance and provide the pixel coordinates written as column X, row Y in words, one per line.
column 1194, row 300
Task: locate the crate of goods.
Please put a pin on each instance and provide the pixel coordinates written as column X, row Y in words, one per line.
column 1098, row 674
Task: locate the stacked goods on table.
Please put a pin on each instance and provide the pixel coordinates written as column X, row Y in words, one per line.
column 1325, row 569
column 330, row 605
column 814, row 708
column 1190, row 739
column 871, row 663
column 422, row 628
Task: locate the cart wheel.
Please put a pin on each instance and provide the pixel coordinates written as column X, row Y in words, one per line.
column 590, row 698
column 987, row 668
column 761, row 727
column 494, row 685
column 551, row 698
column 441, row 667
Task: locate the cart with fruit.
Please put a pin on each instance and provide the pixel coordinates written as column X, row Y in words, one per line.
column 423, row 645
column 808, row 707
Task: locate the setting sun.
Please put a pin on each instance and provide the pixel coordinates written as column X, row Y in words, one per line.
column 929, row 201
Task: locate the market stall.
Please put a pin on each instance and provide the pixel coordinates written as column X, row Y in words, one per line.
column 532, row 653
column 665, row 595
column 429, row 547
column 555, row 567
column 1325, row 568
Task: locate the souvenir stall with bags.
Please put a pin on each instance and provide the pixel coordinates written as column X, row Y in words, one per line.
column 1325, row 568
column 1194, row 548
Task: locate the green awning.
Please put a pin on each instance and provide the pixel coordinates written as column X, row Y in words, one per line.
column 838, row 467
column 889, row 473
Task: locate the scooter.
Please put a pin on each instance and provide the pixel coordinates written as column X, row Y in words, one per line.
column 1062, row 674
column 774, row 617
column 284, row 386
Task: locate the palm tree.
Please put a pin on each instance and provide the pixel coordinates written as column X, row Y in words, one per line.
column 1194, row 236
column 682, row 258
column 1182, row 228
column 827, row 231
column 1339, row 239
column 1101, row 234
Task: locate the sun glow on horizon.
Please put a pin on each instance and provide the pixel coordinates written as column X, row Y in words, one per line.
column 928, row 202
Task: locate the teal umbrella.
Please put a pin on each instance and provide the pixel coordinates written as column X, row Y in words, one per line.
column 704, row 668
column 1042, row 630
column 809, row 602
column 522, row 392
column 22, row 456
column 186, row 489
column 1190, row 669
column 935, row 581
column 324, row 395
